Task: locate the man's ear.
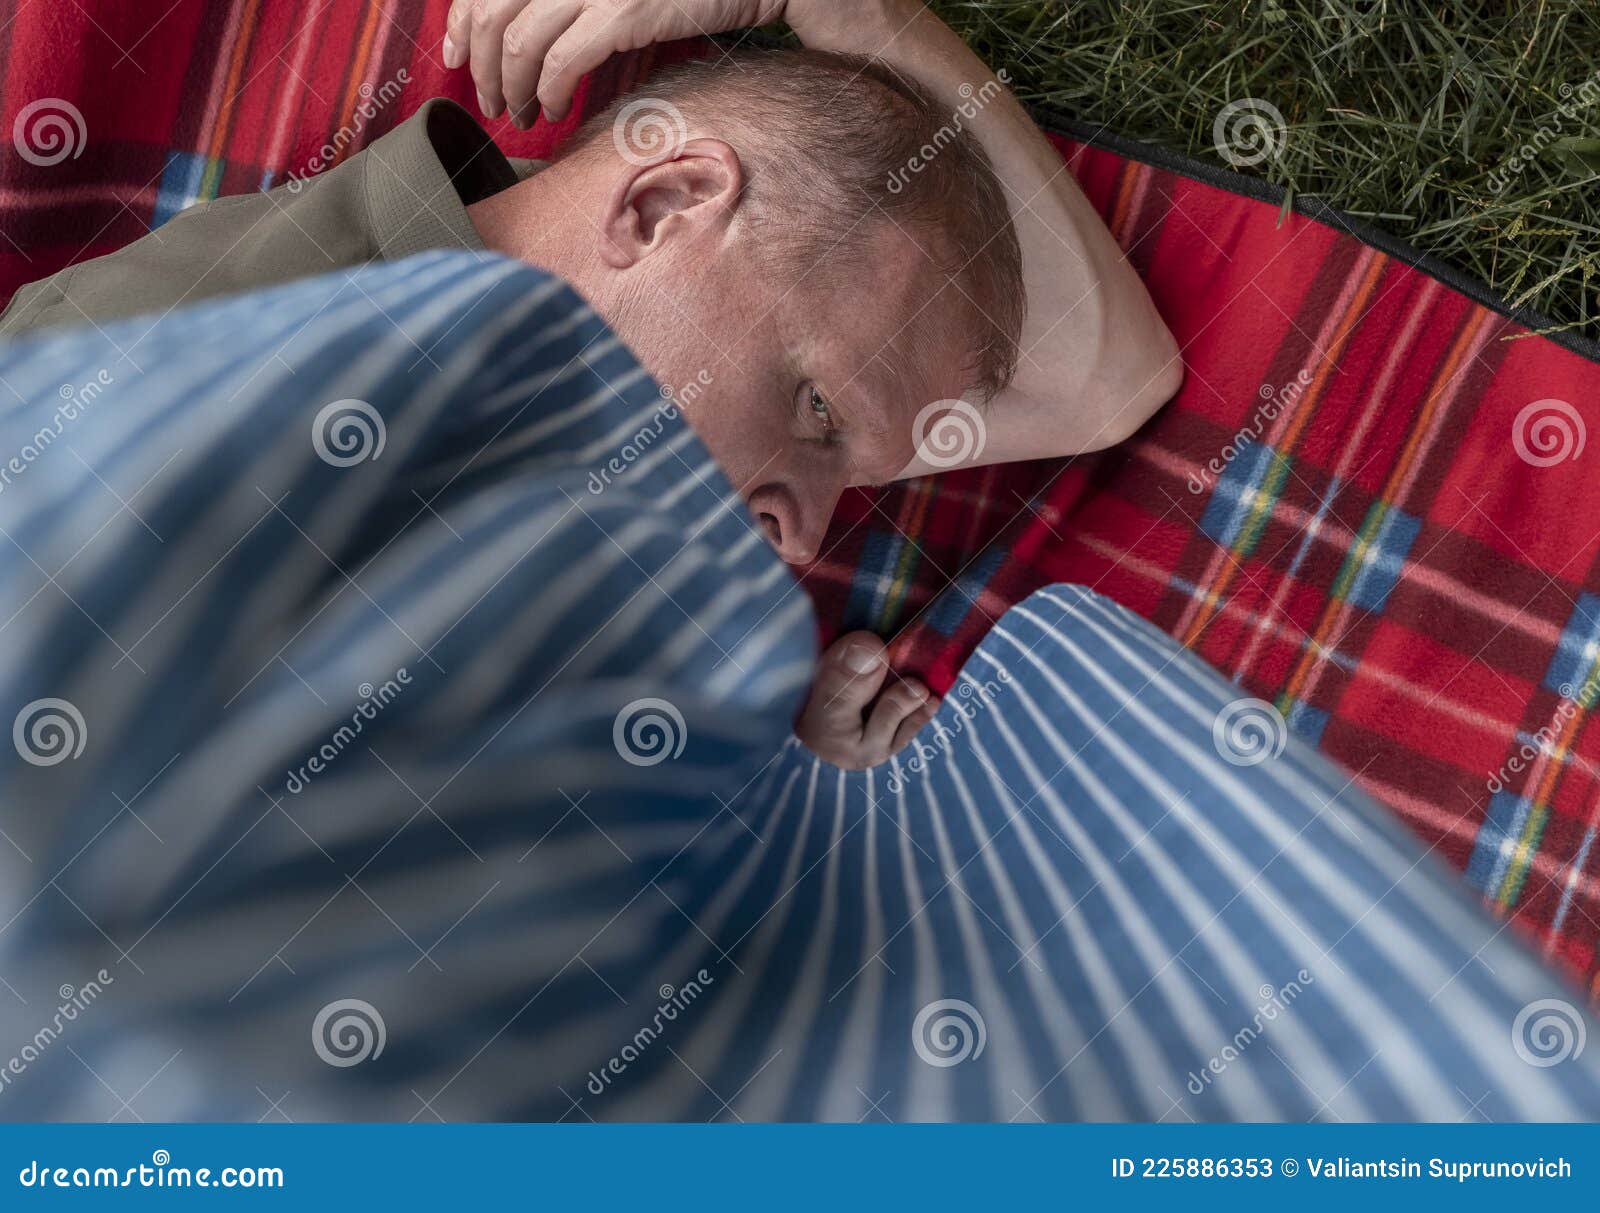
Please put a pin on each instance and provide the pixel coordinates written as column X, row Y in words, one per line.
column 649, row 207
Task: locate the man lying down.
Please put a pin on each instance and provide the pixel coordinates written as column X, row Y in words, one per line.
column 368, row 763
column 766, row 227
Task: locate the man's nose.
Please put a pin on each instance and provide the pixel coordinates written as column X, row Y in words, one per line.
column 795, row 542
column 795, row 523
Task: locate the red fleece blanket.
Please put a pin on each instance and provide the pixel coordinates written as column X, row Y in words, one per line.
column 1371, row 504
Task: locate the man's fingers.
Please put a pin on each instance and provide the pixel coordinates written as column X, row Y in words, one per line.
column 527, row 51
column 489, row 21
column 913, row 724
column 897, row 705
column 528, row 39
column 848, row 677
column 457, row 33
column 585, row 45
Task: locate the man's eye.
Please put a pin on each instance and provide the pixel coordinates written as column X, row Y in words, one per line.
column 820, row 410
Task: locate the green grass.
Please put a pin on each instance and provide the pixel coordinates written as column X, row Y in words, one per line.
column 1397, row 111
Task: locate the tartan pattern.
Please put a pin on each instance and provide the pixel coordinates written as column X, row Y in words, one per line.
column 1369, row 553
column 183, row 102
column 1376, row 560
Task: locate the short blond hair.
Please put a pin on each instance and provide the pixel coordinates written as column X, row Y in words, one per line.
column 831, row 142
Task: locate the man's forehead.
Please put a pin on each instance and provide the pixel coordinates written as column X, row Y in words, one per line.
column 882, row 404
column 887, row 338
column 924, row 334
column 883, row 393
column 901, row 362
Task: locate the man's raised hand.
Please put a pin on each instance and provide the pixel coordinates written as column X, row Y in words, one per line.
column 530, row 54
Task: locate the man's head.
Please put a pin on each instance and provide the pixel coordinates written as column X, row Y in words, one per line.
column 807, row 239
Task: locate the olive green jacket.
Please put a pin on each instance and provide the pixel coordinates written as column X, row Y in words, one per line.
column 407, row 192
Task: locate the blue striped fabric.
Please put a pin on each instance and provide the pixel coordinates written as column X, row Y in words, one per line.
column 453, row 779
column 1149, row 922
column 230, row 587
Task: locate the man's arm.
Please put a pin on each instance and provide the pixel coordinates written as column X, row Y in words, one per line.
column 1096, row 359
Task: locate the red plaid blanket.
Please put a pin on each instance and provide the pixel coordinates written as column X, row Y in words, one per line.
column 1366, row 504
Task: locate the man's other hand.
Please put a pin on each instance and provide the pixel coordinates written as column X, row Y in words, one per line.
column 851, row 720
